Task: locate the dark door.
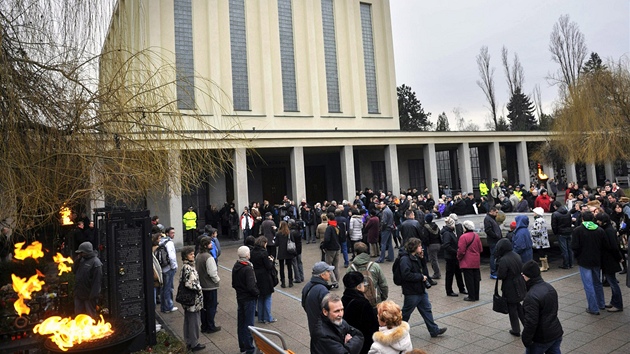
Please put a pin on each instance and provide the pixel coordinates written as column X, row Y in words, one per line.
column 315, row 184
column 274, row 184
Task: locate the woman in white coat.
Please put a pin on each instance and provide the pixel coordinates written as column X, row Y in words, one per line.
column 393, row 334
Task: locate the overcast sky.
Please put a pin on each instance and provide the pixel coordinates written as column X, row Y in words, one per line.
column 436, row 44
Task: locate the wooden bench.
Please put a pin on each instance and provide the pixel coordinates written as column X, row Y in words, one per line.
column 264, row 345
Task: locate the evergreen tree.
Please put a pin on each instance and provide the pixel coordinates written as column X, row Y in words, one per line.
column 442, row 123
column 593, row 64
column 410, row 111
column 521, row 112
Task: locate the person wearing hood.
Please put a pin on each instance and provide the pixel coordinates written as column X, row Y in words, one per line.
column 611, row 256
column 88, row 270
column 449, row 244
column 522, row 240
column 513, row 288
column 435, row 243
column 244, row 283
column 358, row 311
column 542, row 331
column 540, row 237
column 469, row 250
column 393, row 334
column 561, row 226
column 587, row 242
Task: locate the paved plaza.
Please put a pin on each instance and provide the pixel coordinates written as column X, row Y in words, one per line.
column 472, row 327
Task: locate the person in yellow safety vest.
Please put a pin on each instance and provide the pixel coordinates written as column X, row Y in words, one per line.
column 190, row 224
column 483, row 188
column 518, row 192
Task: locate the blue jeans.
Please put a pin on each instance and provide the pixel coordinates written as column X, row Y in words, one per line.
column 209, row 310
column 544, row 348
column 264, row 308
column 344, row 251
column 298, row 268
column 493, row 266
column 246, row 313
column 616, row 300
column 386, row 244
column 565, row 248
column 422, row 303
column 166, row 303
column 593, row 288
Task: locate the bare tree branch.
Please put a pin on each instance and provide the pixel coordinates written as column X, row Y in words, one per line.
column 568, row 48
column 487, row 81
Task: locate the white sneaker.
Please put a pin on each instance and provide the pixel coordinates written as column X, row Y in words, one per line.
column 173, row 309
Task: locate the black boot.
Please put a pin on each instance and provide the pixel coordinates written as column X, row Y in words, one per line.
column 282, row 284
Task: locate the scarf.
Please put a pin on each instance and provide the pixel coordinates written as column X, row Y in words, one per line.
column 332, row 223
column 589, row 225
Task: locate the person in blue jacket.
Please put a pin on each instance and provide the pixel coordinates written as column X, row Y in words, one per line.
column 522, row 239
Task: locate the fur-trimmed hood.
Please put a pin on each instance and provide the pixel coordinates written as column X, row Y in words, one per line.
column 396, row 339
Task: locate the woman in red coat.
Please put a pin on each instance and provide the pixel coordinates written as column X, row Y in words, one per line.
column 469, row 250
column 543, row 201
column 373, row 230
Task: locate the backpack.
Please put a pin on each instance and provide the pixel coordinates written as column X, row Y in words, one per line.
column 161, row 254
column 368, row 283
column 396, row 271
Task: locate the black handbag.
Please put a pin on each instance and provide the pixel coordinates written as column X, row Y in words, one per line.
column 185, row 296
column 499, row 303
column 274, row 276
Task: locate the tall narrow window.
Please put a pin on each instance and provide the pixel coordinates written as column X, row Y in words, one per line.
column 368, row 58
column 330, row 56
column 443, row 160
column 287, row 55
column 416, row 174
column 184, row 64
column 475, row 165
column 378, row 175
column 238, row 44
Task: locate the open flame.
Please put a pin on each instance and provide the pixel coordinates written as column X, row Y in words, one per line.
column 65, row 332
column 34, row 250
column 65, row 213
column 541, row 175
column 24, row 288
column 61, row 263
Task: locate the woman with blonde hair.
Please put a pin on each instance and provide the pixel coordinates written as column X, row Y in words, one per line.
column 393, row 333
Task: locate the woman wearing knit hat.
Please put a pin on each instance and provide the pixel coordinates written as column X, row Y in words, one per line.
column 449, row 244
column 469, row 250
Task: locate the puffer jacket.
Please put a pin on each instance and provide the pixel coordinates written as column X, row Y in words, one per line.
column 356, row 228
column 509, row 267
column 540, row 308
column 191, row 281
column 449, row 243
column 391, row 340
column 561, row 222
column 434, row 233
column 88, row 275
column 522, row 239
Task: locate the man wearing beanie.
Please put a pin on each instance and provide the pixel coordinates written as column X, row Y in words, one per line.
column 587, row 241
column 542, row 331
column 244, row 282
column 358, row 311
column 312, row 295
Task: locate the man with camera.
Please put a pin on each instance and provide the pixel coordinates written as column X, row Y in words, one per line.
column 413, row 268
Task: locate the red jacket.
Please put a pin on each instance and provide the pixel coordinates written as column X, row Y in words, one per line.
column 469, row 250
column 543, row 201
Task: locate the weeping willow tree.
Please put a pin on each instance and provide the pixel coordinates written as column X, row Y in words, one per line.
column 81, row 117
column 592, row 122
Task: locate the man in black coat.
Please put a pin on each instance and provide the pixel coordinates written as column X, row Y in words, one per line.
column 411, row 228
column 587, row 241
column 494, row 234
column 513, row 289
column 244, row 283
column 542, row 331
column 336, row 335
column 358, row 311
column 312, row 295
column 561, row 226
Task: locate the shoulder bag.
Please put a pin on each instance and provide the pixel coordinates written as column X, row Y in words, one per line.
column 499, row 303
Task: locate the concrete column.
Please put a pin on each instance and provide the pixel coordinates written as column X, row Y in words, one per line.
column 522, row 161
column 391, row 169
column 347, row 172
column 298, row 181
column 571, row 174
column 609, row 167
column 430, row 170
column 241, row 193
column 494, row 150
column 591, row 175
column 465, row 167
column 175, row 212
